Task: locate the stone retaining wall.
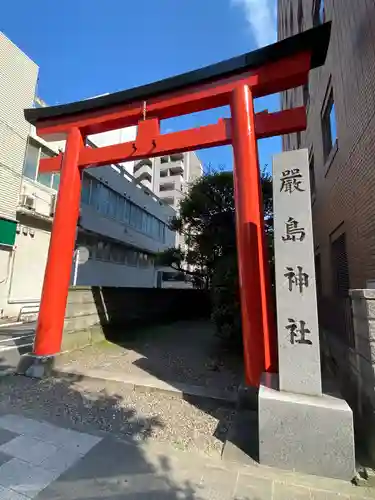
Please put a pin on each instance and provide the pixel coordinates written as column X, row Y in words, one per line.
column 353, row 366
column 95, row 313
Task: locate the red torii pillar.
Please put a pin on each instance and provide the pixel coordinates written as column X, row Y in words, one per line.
column 236, row 87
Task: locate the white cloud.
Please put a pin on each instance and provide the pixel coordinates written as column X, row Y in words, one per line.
column 261, row 16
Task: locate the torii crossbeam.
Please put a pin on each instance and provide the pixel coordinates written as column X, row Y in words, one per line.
column 235, row 82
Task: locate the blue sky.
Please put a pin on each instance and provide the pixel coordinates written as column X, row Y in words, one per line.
column 86, row 48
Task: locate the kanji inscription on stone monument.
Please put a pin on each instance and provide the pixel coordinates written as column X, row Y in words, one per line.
column 297, row 319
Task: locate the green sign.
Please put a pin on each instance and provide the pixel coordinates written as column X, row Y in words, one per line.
column 7, row 232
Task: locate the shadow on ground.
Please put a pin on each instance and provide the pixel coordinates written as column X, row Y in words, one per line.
column 127, row 471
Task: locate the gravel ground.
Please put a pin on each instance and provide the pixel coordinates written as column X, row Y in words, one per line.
column 185, row 352
column 101, row 406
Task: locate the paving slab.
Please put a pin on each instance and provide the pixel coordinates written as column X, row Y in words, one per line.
column 95, row 465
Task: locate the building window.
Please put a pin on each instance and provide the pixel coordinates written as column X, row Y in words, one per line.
column 300, row 16
column 329, row 129
column 306, row 94
column 113, row 205
column 34, row 153
column 312, row 176
column 86, row 189
column 319, row 12
column 298, row 137
column 131, row 258
column 56, row 181
column 31, row 161
column 291, row 20
column 120, row 203
column 340, row 267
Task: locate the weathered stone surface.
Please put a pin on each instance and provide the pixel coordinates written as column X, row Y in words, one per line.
column 35, row 366
column 75, row 340
column 297, row 318
column 362, row 293
column 78, row 309
column 308, row 434
column 80, row 322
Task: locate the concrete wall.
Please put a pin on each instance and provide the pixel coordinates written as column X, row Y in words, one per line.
column 95, row 313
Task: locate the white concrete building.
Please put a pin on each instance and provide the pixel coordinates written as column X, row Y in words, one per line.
column 169, row 176
column 122, row 224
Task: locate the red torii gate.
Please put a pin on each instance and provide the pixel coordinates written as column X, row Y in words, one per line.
column 235, row 82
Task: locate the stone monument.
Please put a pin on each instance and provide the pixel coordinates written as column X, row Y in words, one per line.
column 300, row 428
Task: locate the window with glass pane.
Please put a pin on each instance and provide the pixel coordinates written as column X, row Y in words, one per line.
column 319, row 12
column 114, row 254
column 126, row 216
column 103, row 197
column 329, row 130
column 135, row 217
column 132, row 214
column 144, row 221
column 332, row 122
column 149, row 224
column 99, row 250
column 106, row 251
column 119, row 208
column 111, row 204
column 86, row 189
column 95, row 194
column 45, row 179
column 139, row 219
column 132, row 258
column 156, row 225
column 56, row 181
column 31, row 161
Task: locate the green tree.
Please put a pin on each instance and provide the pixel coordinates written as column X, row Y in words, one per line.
column 207, row 220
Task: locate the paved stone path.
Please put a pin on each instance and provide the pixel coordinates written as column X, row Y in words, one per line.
column 48, row 462
column 34, row 453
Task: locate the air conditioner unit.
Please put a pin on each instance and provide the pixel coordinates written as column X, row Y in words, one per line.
column 52, row 209
column 28, row 201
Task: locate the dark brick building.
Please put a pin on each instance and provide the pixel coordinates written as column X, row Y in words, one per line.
column 340, row 102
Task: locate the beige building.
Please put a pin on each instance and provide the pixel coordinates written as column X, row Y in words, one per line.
column 169, row 176
column 340, row 137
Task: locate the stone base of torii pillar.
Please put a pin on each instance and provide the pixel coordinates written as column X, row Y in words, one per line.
column 307, row 434
column 300, row 428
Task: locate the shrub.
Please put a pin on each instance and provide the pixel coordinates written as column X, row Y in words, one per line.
column 226, row 308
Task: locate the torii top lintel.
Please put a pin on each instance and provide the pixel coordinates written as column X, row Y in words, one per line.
column 271, row 69
column 313, row 42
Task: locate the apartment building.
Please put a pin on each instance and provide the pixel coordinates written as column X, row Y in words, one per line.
column 121, row 224
column 340, row 137
column 169, row 176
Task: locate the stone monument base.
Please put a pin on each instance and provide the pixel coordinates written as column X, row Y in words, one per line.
column 307, row 434
column 35, row 366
